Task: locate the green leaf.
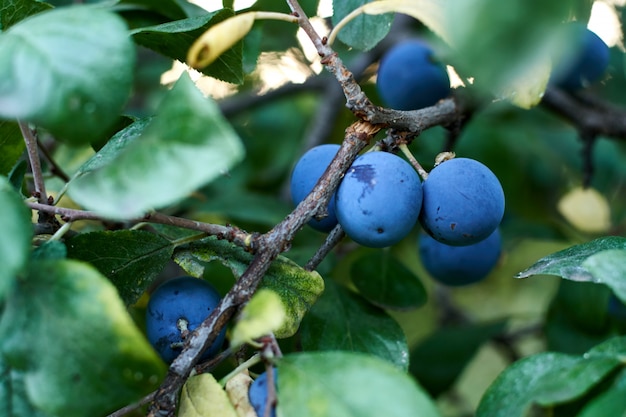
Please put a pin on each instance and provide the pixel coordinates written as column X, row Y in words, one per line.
column 13, row 397
column 203, row 396
column 168, row 8
column 131, row 259
column 51, row 250
column 17, row 174
column 298, row 289
column 114, row 147
column 438, row 360
column 15, row 239
column 365, row 31
column 65, row 329
column 569, row 263
column 578, row 317
column 347, row 384
column 263, row 314
column 12, row 145
column 513, row 56
column 12, row 11
column 609, row 403
column 173, row 39
column 548, row 378
column 609, row 267
column 387, row 283
column 187, row 145
column 69, row 70
column 342, row 320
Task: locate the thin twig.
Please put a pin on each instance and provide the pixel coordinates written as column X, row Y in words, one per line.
column 54, row 167
column 334, row 237
column 30, row 138
column 232, row 234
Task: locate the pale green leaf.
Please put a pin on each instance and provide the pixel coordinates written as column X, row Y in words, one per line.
column 347, row 384
column 69, row 70
column 364, row 31
column 187, row 145
column 203, row 396
column 15, row 239
column 66, row 330
column 263, row 314
column 609, row 267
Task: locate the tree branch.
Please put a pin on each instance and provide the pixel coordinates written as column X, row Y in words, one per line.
column 230, row 233
column 32, row 150
column 590, row 118
column 269, row 245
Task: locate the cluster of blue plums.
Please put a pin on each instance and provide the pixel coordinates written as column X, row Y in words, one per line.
column 257, row 394
column 175, row 309
column 381, row 198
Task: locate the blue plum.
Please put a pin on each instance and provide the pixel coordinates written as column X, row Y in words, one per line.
column 586, row 61
column 305, row 175
column 463, row 202
column 460, row 265
column 258, row 394
column 180, row 299
column 379, row 199
column 409, row 78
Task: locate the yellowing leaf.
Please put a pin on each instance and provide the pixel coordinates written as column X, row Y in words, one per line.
column 221, row 37
column 265, row 313
column 218, row 39
column 586, row 209
column 237, row 389
column 203, row 396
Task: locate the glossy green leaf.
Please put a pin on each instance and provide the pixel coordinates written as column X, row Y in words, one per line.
column 439, row 360
column 69, row 70
column 13, row 397
column 15, row 239
column 387, row 283
column 12, row 11
column 298, row 289
column 549, row 378
column 347, row 384
column 131, row 259
column 173, row 39
column 187, row 145
column 609, row 267
column 342, row 320
column 203, row 396
column 66, row 330
column 12, row 145
column 365, row 31
column 569, row 263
